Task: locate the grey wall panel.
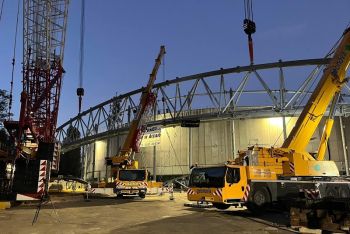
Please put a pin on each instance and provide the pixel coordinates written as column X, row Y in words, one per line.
column 101, row 154
column 335, row 143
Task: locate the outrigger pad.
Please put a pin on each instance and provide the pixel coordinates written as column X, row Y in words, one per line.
column 199, row 205
column 26, row 176
column 46, row 151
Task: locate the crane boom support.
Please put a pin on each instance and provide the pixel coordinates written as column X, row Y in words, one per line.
column 331, row 82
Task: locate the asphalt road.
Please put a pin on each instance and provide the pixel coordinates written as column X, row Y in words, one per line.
column 154, row 214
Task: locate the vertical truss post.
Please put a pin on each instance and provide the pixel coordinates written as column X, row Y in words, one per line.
column 282, row 88
column 282, row 101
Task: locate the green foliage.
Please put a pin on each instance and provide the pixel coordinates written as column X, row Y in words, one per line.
column 4, row 104
column 72, row 134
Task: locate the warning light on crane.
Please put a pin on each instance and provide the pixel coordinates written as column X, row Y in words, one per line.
column 249, row 26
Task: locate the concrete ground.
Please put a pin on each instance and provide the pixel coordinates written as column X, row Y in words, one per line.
column 154, row 214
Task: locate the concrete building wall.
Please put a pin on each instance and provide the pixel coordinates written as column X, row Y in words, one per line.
column 88, row 154
column 101, row 154
column 212, row 143
column 336, row 145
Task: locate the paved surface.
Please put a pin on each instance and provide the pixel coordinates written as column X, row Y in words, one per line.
column 151, row 215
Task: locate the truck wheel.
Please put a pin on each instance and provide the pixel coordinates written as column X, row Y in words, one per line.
column 331, row 191
column 221, row 206
column 344, row 192
column 142, row 195
column 119, row 196
column 259, row 199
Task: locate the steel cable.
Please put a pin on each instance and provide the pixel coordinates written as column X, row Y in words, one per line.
column 13, row 60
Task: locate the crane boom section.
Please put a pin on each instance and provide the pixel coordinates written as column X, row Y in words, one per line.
column 331, row 82
column 44, row 31
column 146, row 95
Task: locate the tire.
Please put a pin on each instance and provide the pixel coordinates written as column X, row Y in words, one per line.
column 221, row 206
column 259, row 199
column 331, row 191
column 120, row 196
column 142, row 195
column 344, row 192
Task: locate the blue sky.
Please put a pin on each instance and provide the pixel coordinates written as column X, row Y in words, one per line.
column 123, row 37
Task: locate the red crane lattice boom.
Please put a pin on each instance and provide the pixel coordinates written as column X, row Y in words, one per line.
column 44, row 38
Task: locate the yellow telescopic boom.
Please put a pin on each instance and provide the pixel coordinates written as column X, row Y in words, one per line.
column 330, row 84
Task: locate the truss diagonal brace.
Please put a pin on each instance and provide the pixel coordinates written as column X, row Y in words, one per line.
column 266, row 87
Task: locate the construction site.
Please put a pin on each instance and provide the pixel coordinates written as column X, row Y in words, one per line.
column 229, row 131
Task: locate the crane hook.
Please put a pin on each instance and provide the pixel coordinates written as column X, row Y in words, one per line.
column 249, row 26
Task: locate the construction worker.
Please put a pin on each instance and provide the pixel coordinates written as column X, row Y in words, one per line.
column 88, row 190
column 171, row 191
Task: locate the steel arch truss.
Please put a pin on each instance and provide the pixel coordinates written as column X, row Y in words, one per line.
column 257, row 90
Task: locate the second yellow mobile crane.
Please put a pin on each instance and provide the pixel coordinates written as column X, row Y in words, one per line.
column 288, row 174
column 129, row 179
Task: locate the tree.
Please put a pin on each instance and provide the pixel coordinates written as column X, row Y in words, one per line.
column 4, row 104
column 72, row 134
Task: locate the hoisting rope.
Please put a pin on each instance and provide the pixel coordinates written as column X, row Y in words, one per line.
column 163, row 79
column 13, row 62
column 249, row 26
column 2, row 7
column 80, row 89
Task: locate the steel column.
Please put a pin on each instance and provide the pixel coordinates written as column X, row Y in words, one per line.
column 233, row 139
column 190, row 159
column 344, row 145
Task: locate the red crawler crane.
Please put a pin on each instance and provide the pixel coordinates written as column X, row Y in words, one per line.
column 44, row 30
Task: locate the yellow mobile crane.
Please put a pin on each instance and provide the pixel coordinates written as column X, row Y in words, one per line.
column 129, row 179
column 261, row 176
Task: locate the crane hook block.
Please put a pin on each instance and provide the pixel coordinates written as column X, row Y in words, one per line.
column 249, row 26
column 80, row 92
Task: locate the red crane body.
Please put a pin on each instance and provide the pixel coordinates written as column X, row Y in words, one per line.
column 44, row 30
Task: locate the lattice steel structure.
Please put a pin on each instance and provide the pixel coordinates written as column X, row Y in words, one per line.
column 44, row 29
column 237, row 92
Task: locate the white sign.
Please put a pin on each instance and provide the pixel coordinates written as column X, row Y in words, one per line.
column 152, row 136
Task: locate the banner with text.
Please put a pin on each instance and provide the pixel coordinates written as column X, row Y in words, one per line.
column 152, row 136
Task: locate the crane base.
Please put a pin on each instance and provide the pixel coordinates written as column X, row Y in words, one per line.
column 330, row 220
column 199, row 205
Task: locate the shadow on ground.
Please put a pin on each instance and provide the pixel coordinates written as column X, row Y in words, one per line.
column 203, row 221
column 274, row 218
column 80, row 202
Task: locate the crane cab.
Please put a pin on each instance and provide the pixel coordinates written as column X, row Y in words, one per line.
column 222, row 185
column 131, row 182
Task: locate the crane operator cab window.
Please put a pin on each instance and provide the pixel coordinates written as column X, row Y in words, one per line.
column 207, row 177
column 132, row 175
column 233, row 175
